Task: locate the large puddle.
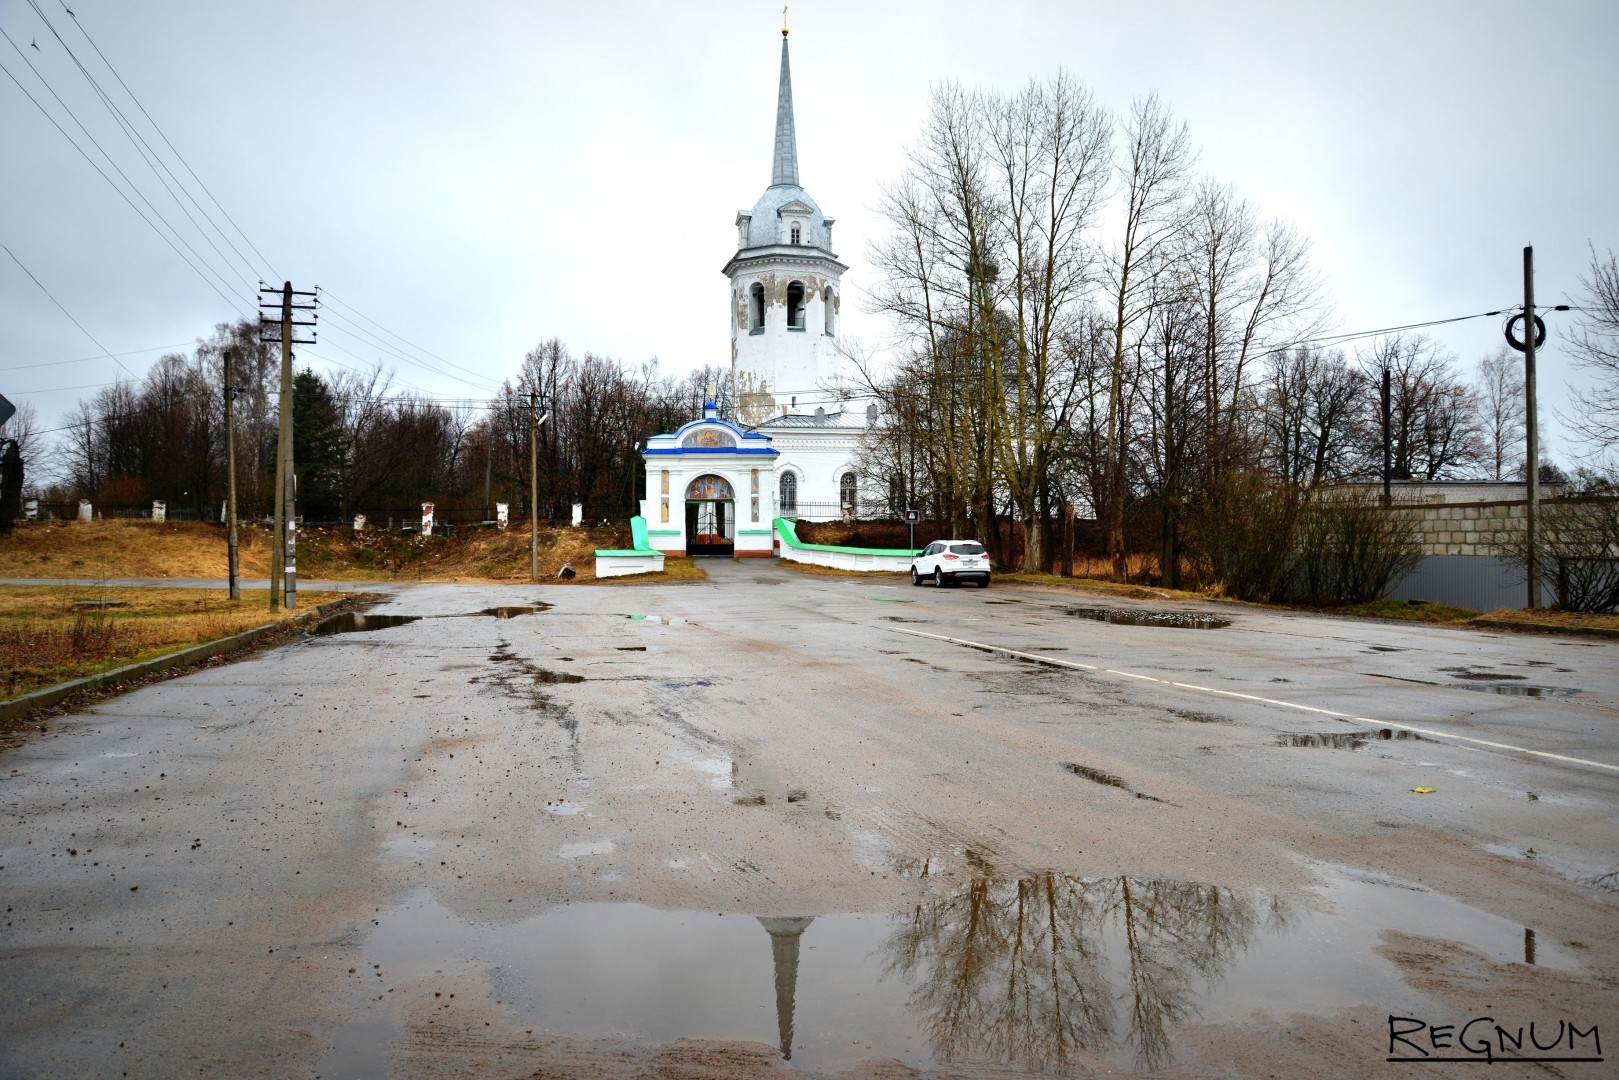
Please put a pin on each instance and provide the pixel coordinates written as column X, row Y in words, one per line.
column 1523, row 690
column 1179, row 620
column 360, row 622
column 1034, row 972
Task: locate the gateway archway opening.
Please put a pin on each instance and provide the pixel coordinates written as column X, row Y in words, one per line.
column 710, row 517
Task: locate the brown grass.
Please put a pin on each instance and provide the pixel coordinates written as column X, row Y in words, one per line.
column 1552, row 621
column 45, row 639
column 134, row 548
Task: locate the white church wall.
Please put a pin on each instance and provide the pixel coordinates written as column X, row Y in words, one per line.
column 666, row 514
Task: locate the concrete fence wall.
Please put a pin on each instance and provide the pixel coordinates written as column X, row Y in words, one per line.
column 1466, row 528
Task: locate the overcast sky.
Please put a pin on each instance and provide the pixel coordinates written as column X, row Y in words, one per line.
column 479, row 177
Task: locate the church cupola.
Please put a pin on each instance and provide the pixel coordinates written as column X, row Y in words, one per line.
column 785, row 283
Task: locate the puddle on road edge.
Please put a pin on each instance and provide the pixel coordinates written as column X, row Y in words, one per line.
column 1354, row 740
column 1523, row 690
column 927, row 986
column 1179, row 620
column 359, row 622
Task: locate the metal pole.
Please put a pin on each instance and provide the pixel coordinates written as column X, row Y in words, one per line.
column 1387, row 462
column 533, row 486
column 289, row 563
column 1532, row 429
column 231, row 550
column 488, row 446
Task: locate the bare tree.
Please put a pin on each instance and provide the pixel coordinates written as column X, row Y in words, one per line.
column 1596, row 349
column 1434, row 415
column 1501, row 412
column 1153, row 172
column 1308, row 408
column 23, row 428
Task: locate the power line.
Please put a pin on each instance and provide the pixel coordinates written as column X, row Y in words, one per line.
column 405, row 341
column 178, row 156
column 87, row 359
column 103, row 173
column 64, row 310
column 148, row 156
column 364, row 336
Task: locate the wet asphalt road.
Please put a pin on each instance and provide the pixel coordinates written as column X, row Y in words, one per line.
column 272, row 867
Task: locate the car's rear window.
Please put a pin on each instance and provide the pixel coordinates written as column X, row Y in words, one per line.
column 967, row 549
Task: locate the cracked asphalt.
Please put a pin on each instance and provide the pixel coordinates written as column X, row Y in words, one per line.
column 519, row 846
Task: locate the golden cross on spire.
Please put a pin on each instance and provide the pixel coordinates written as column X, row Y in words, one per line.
column 784, row 20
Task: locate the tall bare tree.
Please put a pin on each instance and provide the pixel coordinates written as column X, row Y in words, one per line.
column 1434, row 416
column 1153, row 171
column 1501, row 412
column 1596, row 349
column 1310, row 403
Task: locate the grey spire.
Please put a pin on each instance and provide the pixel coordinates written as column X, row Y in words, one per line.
column 784, row 169
column 784, row 935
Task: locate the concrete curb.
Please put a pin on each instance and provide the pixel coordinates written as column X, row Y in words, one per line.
column 41, row 699
column 1545, row 628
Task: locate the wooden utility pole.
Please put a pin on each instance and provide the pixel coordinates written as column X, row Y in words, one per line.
column 533, row 486
column 231, row 550
column 1531, row 429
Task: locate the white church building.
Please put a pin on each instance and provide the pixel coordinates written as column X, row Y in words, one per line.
column 715, row 486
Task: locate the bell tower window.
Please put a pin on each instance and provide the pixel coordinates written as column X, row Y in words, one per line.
column 796, row 233
column 829, row 302
column 756, row 307
column 795, row 305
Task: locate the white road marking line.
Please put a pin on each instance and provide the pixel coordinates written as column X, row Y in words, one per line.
column 1055, row 662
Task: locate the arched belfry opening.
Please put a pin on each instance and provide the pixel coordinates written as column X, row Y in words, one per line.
column 756, row 307
column 795, row 305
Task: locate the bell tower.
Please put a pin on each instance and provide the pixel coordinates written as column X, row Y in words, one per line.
column 785, row 287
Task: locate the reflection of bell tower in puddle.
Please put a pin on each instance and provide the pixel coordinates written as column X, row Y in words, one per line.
column 784, row 935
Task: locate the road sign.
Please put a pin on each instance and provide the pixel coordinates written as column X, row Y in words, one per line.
column 912, row 517
column 7, row 409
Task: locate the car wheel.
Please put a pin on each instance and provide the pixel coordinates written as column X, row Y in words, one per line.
column 938, row 578
column 983, row 582
column 916, row 579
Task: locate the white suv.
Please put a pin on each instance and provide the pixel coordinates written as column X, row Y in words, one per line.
column 948, row 561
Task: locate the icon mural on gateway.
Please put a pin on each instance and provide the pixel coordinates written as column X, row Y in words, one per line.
column 709, row 488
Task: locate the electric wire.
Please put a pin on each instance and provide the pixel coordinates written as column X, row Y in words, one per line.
column 148, row 155
column 87, row 359
column 64, row 310
column 153, row 160
column 336, row 322
column 104, row 176
column 400, row 338
column 162, row 135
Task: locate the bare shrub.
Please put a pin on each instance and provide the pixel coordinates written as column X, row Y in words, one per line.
column 1578, row 552
column 1246, row 529
column 1352, row 549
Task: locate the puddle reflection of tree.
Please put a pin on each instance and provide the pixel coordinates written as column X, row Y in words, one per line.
column 1018, row 970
